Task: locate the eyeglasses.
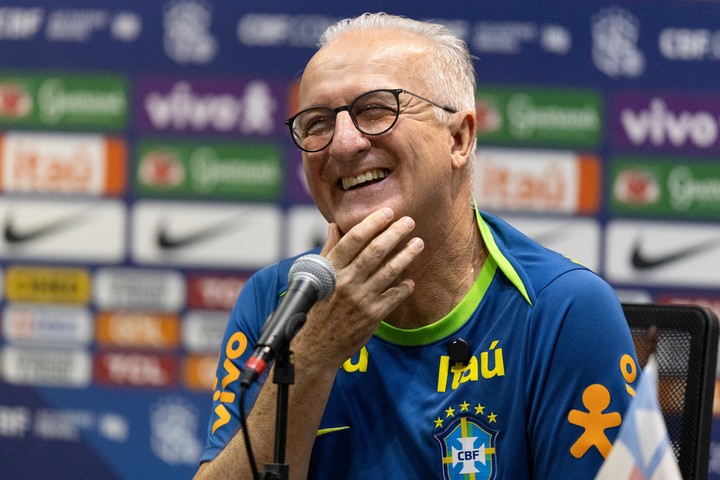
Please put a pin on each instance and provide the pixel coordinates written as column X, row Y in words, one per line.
column 372, row 113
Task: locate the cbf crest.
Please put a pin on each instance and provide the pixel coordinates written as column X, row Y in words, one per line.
column 468, row 450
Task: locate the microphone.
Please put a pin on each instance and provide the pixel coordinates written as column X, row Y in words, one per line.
column 311, row 278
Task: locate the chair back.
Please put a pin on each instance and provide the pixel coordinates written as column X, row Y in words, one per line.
column 687, row 344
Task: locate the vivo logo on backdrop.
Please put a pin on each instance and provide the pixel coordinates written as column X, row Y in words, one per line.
column 666, row 122
column 236, row 106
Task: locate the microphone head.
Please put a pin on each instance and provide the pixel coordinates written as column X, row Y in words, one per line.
column 318, row 269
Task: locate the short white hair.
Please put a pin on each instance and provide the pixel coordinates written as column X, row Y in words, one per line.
column 452, row 79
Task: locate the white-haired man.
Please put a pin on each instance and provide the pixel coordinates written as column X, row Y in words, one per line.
column 452, row 346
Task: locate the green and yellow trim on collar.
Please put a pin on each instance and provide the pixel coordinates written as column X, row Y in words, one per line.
column 502, row 262
column 450, row 322
column 461, row 313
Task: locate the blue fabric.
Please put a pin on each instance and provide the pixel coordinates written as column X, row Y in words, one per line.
column 506, row 415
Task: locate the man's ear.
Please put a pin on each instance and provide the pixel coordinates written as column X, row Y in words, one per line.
column 462, row 127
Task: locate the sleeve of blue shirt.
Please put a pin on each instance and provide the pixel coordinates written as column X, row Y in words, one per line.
column 581, row 378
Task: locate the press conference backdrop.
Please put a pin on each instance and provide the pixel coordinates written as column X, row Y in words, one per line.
column 146, row 173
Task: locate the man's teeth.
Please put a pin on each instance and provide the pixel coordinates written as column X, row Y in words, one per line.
column 348, row 182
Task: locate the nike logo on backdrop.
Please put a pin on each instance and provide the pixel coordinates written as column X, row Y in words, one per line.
column 15, row 236
column 641, row 261
column 167, row 241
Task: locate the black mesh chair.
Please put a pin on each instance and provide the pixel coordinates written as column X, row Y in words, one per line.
column 687, row 344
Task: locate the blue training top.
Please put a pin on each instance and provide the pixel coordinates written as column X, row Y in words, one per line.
column 552, row 371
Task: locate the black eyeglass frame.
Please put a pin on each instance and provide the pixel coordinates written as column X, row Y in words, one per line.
column 395, row 91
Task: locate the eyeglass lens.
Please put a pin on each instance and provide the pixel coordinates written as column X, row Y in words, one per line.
column 372, row 113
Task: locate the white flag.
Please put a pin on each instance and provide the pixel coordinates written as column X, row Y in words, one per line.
column 642, row 449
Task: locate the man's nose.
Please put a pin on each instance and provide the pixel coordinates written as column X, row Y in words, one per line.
column 347, row 138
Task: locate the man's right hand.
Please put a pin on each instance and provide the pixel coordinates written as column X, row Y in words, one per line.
column 368, row 260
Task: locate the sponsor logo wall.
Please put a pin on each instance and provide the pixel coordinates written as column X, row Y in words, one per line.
column 145, row 174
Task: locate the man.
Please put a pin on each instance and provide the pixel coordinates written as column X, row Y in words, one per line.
column 387, row 126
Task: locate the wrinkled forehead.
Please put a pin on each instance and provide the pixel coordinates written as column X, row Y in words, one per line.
column 367, row 59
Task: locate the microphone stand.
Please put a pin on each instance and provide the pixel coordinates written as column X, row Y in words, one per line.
column 283, row 377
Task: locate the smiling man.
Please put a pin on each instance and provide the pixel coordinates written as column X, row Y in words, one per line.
column 452, row 346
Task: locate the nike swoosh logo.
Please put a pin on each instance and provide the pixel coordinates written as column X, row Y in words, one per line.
column 325, row 431
column 166, row 241
column 14, row 236
column 641, row 261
